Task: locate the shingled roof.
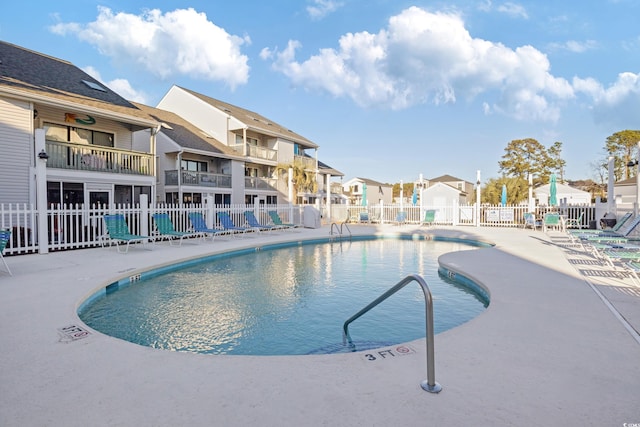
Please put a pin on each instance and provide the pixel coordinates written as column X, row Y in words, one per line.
column 41, row 78
column 254, row 120
column 185, row 134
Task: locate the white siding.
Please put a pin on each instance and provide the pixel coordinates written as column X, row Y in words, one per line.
column 15, row 150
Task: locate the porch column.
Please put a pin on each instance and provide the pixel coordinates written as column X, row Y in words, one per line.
column 41, row 192
column 328, row 191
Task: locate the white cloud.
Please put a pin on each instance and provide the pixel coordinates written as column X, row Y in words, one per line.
column 513, row 10
column 429, row 57
column 322, row 8
column 174, row 43
column 575, row 46
column 120, row 86
column 618, row 104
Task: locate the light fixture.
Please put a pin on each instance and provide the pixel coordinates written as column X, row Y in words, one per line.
column 632, row 163
column 43, row 155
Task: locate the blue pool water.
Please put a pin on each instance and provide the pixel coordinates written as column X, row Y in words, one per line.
column 289, row 300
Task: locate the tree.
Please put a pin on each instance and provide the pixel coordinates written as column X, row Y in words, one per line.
column 623, row 146
column 517, row 190
column 303, row 179
column 527, row 156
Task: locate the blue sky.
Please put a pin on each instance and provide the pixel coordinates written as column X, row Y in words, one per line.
column 389, row 89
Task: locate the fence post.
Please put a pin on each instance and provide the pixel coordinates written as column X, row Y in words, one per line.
column 209, row 208
column 144, row 215
column 41, row 192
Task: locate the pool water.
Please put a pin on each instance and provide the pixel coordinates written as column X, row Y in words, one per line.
column 292, row 300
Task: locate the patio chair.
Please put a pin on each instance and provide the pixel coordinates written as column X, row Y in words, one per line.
column 615, row 229
column 228, row 224
column 623, row 235
column 5, row 235
column 278, row 221
column 551, row 220
column 166, row 230
column 429, row 217
column 118, row 232
column 401, row 218
column 200, row 226
column 253, row 223
column 574, row 222
column 364, row 217
column 530, row 221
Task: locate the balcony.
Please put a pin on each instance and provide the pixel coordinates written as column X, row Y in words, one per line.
column 308, row 162
column 68, row 155
column 198, row 179
column 255, row 183
column 256, row 152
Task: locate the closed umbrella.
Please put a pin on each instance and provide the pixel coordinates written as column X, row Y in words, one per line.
column 553, row 190
column 503, row 200
column 414, row 198
column 364, row 194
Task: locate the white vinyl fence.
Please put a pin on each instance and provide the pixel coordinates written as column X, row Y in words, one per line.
column 75, row 227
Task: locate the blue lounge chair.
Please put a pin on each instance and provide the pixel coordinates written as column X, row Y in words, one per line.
column 166, row 230
column 401, row 218
column 5, row 235
column 200, row 226
column 278, row 221
column 551, row 220
column 228, row 224
column 118, row 232
column 253, row 222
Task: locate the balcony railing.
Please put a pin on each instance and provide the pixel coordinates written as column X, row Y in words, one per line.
column 201, row 179
column 308, row 162
column 256, row 152
column 255, row 183
column 68, row 155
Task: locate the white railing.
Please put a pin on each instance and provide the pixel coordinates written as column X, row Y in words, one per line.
column 78, row 226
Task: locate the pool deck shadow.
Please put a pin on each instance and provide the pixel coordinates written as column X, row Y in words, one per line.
column 558, row 345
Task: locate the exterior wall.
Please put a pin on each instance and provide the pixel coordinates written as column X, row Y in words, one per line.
column 123, row 137
column 16, row 145
column 440, row 195
column 216, row 123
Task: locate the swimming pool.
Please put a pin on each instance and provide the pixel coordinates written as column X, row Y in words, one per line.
column 286, row 299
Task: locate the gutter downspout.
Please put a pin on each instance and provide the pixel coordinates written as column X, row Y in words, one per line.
column 154, row 150
column 178, row 167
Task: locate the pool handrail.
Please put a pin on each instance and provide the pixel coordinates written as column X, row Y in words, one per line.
column 339, row 230
column 430, row 383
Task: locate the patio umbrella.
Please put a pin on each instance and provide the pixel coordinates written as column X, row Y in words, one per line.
column 364, row 194
column 553, row 198
column 503, row 200
column 414, row 198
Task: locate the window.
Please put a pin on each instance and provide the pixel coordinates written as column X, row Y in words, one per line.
column 54, row 132
column 272, row 200
column 193, row 165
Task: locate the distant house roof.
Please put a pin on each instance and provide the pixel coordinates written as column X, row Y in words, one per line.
column 446, row 178
column 372, row 182
column 254, row 120
column 37, row 77
column 185, row 134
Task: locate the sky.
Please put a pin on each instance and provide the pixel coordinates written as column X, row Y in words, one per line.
column 389, row 89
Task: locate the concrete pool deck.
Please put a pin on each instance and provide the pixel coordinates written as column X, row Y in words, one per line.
column 558, row 345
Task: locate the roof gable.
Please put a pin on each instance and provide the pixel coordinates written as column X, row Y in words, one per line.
column 254, row 120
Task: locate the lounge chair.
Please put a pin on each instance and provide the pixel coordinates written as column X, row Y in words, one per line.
column 278, row 221
column 615, row 229
column 253, row 222
column 551, row 220
column 429, row 217
column 364, row 217
column 574, row 222
column 118, row 232
column 228, row 224
column 200, row 226
column 166, row 230
column 5, row 235
column 622, row 235
column 530, row 221
column 401, row 218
